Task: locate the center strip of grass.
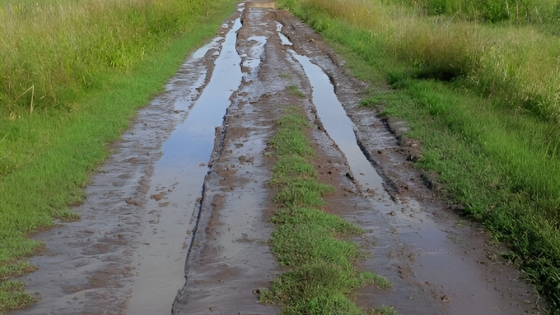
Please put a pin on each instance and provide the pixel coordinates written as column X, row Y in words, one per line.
column 312, row 243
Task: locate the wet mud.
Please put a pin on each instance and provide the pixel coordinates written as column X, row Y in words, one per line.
column 177, row 219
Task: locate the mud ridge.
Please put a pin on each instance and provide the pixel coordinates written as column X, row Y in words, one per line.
column 389, row 183
column 216, row 152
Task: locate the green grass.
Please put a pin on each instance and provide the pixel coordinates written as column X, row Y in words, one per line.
column 313, row 244
column 516, row 65
column 295, row 91
column 52, row 50
column 46, row 158
column 496, row 152
column 518, row 11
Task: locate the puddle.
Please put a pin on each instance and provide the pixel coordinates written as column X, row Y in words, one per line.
column 177, row 184
column 285, row 41
column 337, row 124
column 252, row 59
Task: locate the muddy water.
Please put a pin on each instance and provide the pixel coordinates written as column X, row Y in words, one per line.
column 285, row 41
column 230, row 260
column 338, row 125
column 176, row 187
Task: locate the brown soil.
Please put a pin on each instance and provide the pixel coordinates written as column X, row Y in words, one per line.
column 142, row 214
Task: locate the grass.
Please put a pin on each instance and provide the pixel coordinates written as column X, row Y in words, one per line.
column 313, row 244
column 482, row 100
column 48, row 154
column 524, row 11
column 516, row 65
column 295, row 91
column 95, row 36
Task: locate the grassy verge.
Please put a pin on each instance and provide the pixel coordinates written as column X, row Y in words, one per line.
column 52, row 49
column 496, row 153
column 46, row 157
column 311, row 242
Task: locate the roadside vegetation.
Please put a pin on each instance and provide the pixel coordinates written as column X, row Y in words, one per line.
column 72, row 74
column 313, row 244
column 479, row 87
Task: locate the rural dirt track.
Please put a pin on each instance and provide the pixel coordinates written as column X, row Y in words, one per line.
column 188, row 182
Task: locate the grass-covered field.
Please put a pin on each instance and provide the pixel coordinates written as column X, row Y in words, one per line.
column 72, row 74
column 517, row 11
column 483, row 99
column 313, row 244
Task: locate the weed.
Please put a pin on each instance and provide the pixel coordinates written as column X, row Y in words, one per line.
column 295, row 91
column 383, row 310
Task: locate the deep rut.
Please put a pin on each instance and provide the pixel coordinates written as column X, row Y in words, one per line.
column 187, row 182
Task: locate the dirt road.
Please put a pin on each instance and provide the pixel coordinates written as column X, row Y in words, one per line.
column 188, row 182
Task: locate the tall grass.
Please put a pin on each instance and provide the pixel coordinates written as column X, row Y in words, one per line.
column 50, row 50
column 520, row 11
column 519, row 66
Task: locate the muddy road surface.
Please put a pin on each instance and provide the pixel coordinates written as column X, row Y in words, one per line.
column 177, row 220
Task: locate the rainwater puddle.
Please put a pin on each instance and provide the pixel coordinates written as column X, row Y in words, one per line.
column 285, row 41
column 177, row 184
column 337, row 124
column 253, row 57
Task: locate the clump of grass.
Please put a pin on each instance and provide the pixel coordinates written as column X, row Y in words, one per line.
column 13, row 295
column 384, row 310
column 295, row 91
column 311, row 242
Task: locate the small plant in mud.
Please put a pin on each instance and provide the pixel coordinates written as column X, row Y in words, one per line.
column 383, row 310
column 294, row 90
column 312, row 243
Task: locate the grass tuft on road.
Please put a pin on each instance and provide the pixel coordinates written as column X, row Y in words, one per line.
column 312, row 243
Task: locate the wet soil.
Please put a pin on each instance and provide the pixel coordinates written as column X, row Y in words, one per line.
column 176, row 220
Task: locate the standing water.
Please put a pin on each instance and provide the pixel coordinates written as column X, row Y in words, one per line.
column 177, row 184
column 337, row 124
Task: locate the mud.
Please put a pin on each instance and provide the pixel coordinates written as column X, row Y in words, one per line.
column 188, row 183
